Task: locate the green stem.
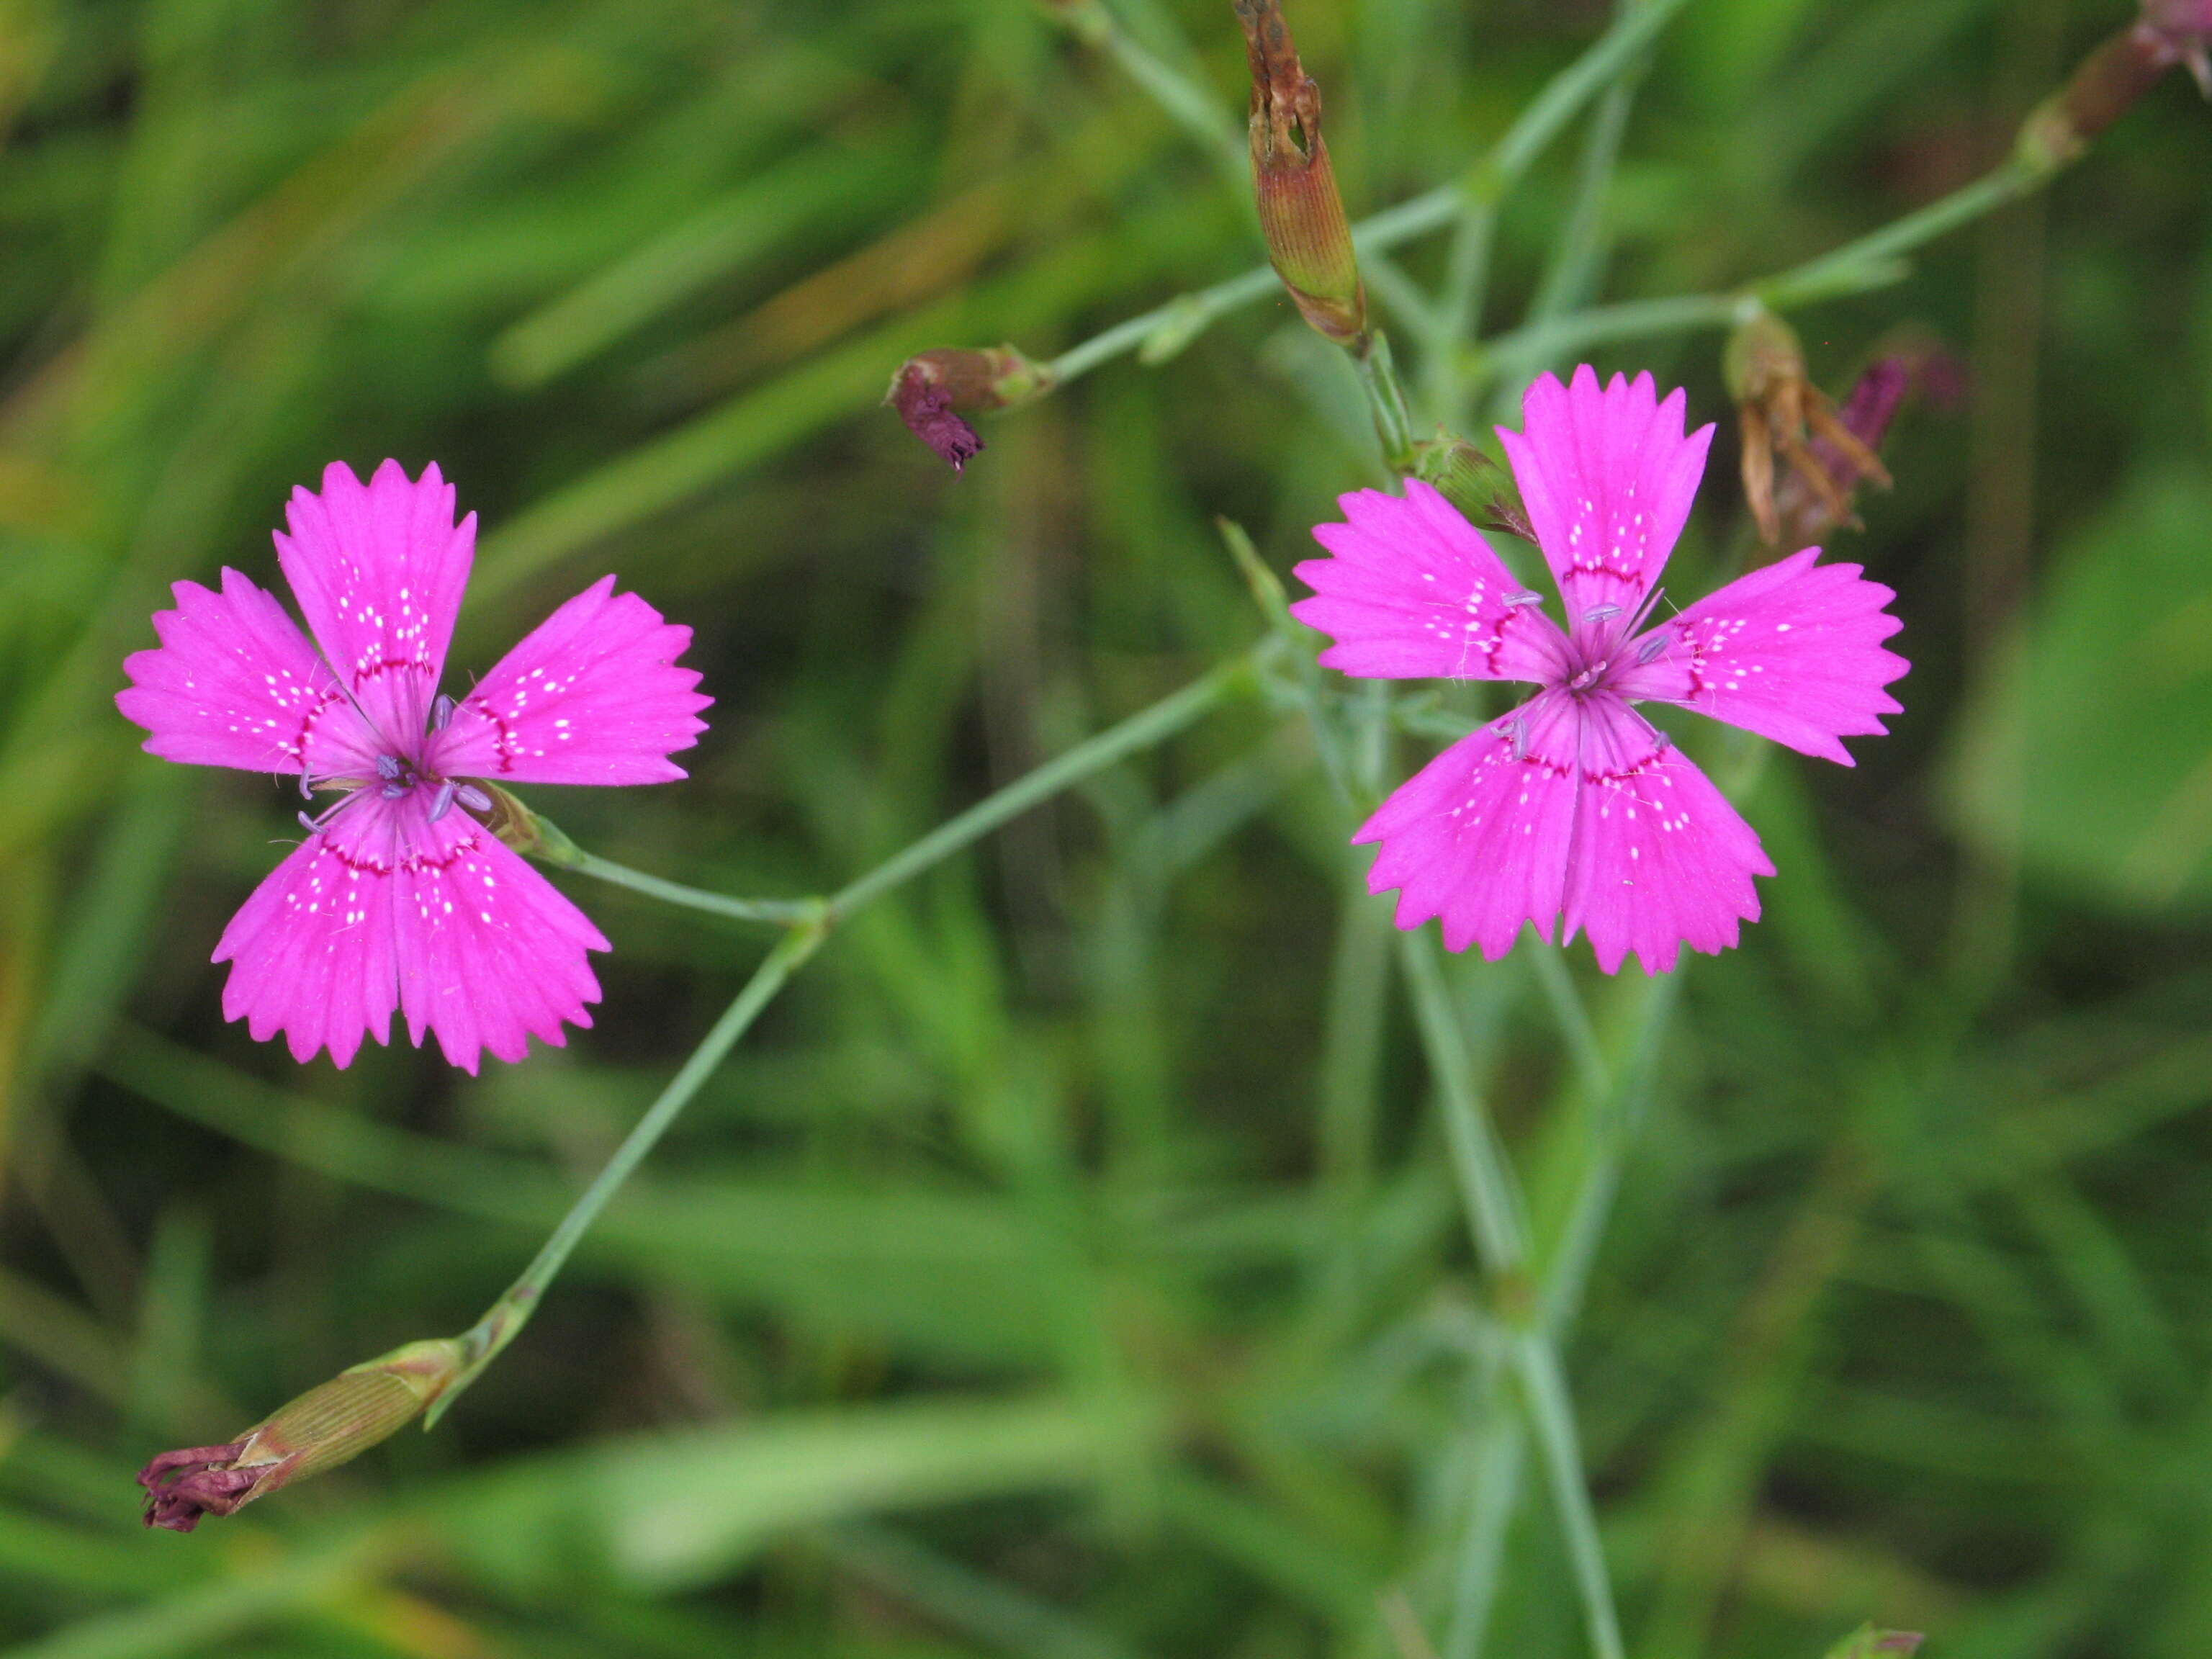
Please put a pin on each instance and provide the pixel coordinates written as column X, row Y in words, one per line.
column 1183, row 318
column 1870, row 262
column 1553, row 1413
column 811, row 921
column 504, row 1319
column 1155, row 725
column 1872, row 259
column 1501, row 1239
column 1613, row 54
column 1549, row 964
column 1501, row 1444
column 1190, row 105
column 1493, row 1207
column 1386, row 400
column 783, row 913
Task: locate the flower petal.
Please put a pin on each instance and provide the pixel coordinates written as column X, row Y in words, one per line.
column 1792, row 651
column 1415, row 592
column 490, row 955
column 1479, row 836
column 378, row 570
column 312, row 949
column 234, row 683
column 1661, row 860
column 1608, row 478
column 592, row 695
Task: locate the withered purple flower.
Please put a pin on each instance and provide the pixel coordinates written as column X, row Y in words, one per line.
column 931, row 386
column 329, row 1424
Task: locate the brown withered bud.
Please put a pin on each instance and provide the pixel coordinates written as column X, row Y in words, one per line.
column 322, row 1428
column 930, row 386
column 1301, row 215
column 1482, row 490
column 2108, row 81
column 1910, row 368
column 1776, row 405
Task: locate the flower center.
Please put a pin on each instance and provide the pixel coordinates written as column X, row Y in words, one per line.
column 399, row 775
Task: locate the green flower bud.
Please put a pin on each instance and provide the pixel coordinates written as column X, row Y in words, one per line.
column 326, row 1426
column 1301, row 214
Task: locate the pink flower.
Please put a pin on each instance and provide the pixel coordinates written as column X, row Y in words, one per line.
column 1573, row 808
column 399, row 898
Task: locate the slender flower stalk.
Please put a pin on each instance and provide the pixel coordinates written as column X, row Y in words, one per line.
column 369, row 1402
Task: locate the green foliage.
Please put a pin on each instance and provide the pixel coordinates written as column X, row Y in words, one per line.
column 2121, row 642
column 1069, row 1263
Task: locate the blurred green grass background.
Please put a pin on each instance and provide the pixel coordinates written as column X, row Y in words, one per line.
column 1042, row 1277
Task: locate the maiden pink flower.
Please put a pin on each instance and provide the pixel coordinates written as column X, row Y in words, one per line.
column 400, row 898
column 1573, row 808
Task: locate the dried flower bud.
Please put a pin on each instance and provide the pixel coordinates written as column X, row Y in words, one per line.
column 1775, row 403
column 1866, row 1643
column 1909, row 367
column 929, row 387
column 323, row 1427
column 2109, row 80
column 1301, row 215
column 1481, row 489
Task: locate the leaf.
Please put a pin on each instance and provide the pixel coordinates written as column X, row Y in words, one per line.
column 2091, row 747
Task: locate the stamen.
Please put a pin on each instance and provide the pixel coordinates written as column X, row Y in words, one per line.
column 1520, row 738
column 474, row 799
column 1650, row 603
column 1514, row 601
column 393, row 791
column 1601, row 613
column 324, row 817
column 441, row 712
column 443, row 802
column 306, row 789
column 387, row 767
column 1651, row 647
